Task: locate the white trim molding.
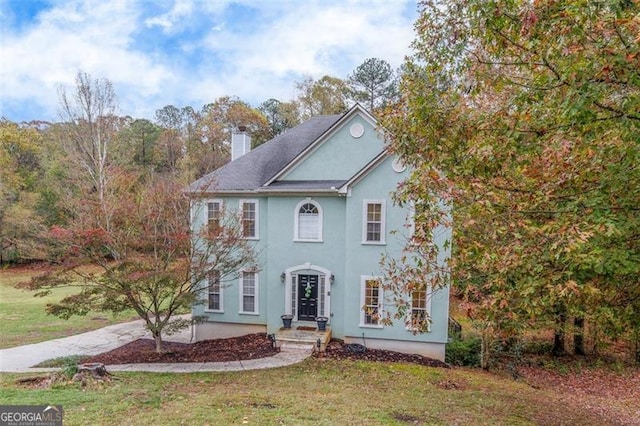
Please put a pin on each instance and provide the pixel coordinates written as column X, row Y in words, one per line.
column 324, row 283
column 296, row 221
column 428, row 294
column 382, row 221
column 256, row 218
column 256, row 293
column 364, row 280
column 220, row 293
column 207, row 210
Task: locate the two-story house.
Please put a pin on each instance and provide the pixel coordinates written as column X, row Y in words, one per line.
column 316, row 202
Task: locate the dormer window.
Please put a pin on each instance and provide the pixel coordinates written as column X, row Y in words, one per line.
column 308, row 221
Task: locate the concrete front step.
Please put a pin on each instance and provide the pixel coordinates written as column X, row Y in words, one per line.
column 294, row 339
column 297, row 346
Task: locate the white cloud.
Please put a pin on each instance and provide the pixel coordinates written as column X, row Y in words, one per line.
column 180, row 11
column 194, row 52
column 310, row 39
column 88, row 36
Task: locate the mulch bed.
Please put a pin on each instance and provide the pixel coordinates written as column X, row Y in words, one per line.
column 336, row 349
column 140, row 351
column 251, row 346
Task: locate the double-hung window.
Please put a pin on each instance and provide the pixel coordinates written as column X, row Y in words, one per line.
column 419, row 310
column 371, row 301
column 373, row 229
column 249, row 212
column 308, row 221
column 214, row 214
column 214, row 292
column 248, row 292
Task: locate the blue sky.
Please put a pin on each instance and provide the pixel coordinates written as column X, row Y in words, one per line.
column 188, row 52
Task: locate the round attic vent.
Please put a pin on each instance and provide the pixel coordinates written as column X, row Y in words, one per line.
column 357, row 130
column 398, row 166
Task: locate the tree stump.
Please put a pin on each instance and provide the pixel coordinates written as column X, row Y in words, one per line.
column 94, row 369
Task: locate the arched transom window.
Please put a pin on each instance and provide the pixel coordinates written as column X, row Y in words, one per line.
column 308, row 221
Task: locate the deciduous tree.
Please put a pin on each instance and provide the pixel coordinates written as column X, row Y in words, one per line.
column 529, row 111
column 326, row 96
column 146, row 259
column 281, row 116
column 20, row 172
column 217, row 121
column 90, row 115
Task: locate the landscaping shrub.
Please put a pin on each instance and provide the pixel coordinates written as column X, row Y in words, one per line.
column 463, row 352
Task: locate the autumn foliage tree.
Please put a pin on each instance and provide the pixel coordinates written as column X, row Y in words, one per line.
column 146, row 261
column 20, row 172
column 326, row 96
column 531, row 111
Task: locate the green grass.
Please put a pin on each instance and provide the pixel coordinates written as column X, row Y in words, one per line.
column 23, row 318
column 315, row 392
column 62, row 361
column 318, row 392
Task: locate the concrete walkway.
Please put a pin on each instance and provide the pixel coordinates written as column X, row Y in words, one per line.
column 21, row 359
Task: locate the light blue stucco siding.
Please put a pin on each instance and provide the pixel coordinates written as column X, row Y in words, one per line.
column 341, row 251
column 364, row 259
column 231, row 286
column 340, row 156
column 285, row 253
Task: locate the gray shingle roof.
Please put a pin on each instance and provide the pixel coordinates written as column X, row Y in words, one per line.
column 253, row 169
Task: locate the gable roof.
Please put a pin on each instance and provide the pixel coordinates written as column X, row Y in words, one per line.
column 310, row 148
column 252, row 170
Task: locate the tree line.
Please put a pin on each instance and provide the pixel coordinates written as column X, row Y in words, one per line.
column 48, row 169
column 100, row 196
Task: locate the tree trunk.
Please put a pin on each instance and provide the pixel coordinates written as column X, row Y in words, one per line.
column 94, row 369
column 558, row 334
column 485, row 349
column 637, row 339
column 578, row 336
column 157, row 337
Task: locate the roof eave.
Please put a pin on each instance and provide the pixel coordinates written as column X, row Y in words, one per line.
column 344, row 189
column 240, row 192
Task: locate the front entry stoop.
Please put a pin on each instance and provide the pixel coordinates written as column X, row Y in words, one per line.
column 295, row 339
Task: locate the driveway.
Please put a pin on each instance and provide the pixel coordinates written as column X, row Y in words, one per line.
column 21, row 358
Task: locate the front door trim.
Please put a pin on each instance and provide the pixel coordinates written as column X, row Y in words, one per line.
column 324, row 277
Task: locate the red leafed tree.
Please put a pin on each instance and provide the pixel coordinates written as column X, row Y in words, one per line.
column 146, row 258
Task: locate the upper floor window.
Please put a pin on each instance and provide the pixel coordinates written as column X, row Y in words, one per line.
column 308, row 221
column 214, row 214
column 249, row 210
column 373, row 228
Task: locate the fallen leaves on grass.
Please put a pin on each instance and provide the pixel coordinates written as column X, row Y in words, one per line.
column 594, row 389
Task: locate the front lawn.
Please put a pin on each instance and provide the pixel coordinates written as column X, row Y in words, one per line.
column 23, row 319
column 319, row 391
